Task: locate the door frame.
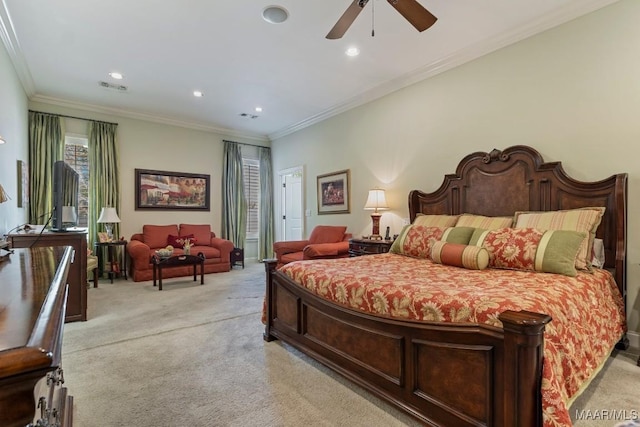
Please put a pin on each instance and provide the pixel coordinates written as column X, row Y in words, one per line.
column 281, row 175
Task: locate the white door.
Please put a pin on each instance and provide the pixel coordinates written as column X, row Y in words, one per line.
column 292, row 205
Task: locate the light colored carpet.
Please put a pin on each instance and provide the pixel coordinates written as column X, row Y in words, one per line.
column 194, row 355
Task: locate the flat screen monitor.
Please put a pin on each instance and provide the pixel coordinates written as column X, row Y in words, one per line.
column 65, row 196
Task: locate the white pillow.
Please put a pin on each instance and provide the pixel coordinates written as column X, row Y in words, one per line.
column 598, row 253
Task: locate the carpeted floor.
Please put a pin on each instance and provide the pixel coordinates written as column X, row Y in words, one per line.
column 194, row 355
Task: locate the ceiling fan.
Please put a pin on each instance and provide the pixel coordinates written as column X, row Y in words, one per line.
column 412, row 11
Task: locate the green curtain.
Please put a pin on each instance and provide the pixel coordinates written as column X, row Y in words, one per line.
column 104, row 172
column 46, row 146
column 267, row 222
column 234, row 203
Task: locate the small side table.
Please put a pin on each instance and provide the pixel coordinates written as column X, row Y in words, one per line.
column 118, row 266
column 359, row 247
column 237, row 257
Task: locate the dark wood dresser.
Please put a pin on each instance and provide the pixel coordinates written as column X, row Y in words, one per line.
column 77, row 301
column 32, row 307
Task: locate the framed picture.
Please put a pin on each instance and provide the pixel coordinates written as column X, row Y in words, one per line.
column 333, row 193
column 163, row 190
column 103, row 237
column 23, row 184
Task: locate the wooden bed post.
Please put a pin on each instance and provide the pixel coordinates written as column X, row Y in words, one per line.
column 270, row 268
column 523, row 341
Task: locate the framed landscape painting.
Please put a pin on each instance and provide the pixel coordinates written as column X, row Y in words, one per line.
column 333, row 193
column 164, row 190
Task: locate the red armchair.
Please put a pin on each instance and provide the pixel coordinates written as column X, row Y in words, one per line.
column 326, row 241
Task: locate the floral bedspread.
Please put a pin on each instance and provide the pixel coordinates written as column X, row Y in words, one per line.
column 587, row 310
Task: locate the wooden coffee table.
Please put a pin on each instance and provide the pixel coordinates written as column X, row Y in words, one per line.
column 159, row 263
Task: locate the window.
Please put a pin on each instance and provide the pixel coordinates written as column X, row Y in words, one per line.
column 76, row 155
column 251, row 175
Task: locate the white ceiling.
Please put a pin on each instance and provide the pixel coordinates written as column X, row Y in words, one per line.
column 166, row 50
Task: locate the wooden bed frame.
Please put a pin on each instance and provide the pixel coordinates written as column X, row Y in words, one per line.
column 450, row 374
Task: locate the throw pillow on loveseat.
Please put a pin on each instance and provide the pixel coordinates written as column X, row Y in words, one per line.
column 142, row 247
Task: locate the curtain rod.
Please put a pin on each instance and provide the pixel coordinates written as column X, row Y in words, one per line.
column 73, row 117
column 246, row 143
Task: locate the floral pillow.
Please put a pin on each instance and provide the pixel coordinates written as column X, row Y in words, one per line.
column 181, row 241
column 583, row 219
column 550, row 251
column 417, row 240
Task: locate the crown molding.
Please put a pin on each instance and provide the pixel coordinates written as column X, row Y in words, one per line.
column 11, row 43
column 148, row 117
column 475, row 51
column 557, row 17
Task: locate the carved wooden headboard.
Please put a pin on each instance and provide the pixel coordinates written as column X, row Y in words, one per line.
column 500, row 183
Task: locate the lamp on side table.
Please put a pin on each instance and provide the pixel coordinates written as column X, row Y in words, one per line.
column 108, row 217
column 376, row 201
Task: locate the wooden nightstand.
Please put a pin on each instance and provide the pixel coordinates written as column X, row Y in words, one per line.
column 358, row 247
column 237, row 257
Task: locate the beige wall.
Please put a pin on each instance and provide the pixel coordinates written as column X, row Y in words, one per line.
column 573, row 93
column 157, row 146
column 13, row 128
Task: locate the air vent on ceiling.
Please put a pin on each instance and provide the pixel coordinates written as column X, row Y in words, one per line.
column 119, row 88
column 251, row 116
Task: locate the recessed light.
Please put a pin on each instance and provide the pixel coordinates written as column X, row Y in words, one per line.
column 352, row 51
column 275, row 14
column 198, row 94
column 259, row 109
column 116, row 76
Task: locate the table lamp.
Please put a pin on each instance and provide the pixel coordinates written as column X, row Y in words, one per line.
column 376, row 201
column 4, row 197
column 108, row 216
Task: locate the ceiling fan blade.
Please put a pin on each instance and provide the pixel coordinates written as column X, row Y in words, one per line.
column 347, row 19
column 415, row 13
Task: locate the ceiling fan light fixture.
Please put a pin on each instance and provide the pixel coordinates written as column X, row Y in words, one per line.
column 275, row 14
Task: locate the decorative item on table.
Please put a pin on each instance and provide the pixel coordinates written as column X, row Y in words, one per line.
column 376, row 201
column 165, row 252
column 109, row 216
column 186, row 243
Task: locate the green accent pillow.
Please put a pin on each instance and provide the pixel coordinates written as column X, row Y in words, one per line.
column 460, row 235
column 550, row 251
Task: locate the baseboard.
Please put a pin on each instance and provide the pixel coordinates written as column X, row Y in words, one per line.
column 634, row 339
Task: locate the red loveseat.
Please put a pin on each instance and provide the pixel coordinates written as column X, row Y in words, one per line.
column 142, row 247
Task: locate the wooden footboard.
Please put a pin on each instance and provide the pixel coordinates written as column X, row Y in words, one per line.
column 443, row 374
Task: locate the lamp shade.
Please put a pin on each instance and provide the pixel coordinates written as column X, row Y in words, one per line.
column 3, row 195
column 376, row 200
column 108, row 215
column 69, row 214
